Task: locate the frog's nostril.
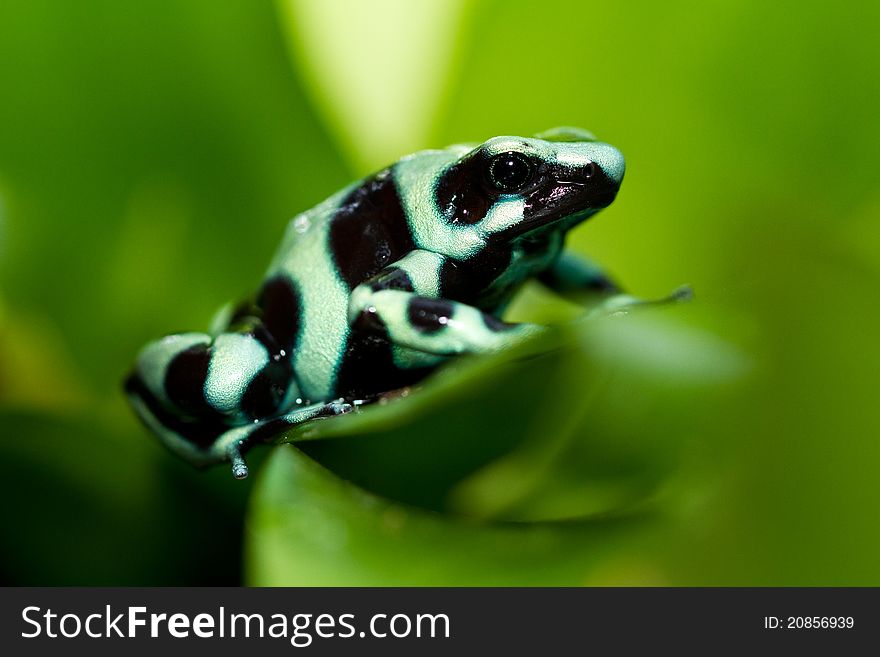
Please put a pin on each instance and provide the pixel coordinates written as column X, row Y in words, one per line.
column 589, row 170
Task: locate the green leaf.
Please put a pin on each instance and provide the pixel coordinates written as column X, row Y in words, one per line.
column 535, row 456
column 308, row 527
column 90, row 504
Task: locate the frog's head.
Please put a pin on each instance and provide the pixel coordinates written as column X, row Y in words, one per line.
column 513, row 186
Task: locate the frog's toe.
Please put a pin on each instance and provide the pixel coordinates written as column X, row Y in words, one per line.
column 681, row 294
column 340, row 407
column 239, row 467
column 240, row 470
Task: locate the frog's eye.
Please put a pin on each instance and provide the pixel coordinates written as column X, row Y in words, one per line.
column 509, row 172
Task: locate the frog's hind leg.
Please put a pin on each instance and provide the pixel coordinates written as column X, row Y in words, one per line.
column 206, row 444
column 232, row 444
column 208, row 397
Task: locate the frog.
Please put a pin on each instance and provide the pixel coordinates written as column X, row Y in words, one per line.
column 379, row 285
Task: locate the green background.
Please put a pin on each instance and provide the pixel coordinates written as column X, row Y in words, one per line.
column 151, row 153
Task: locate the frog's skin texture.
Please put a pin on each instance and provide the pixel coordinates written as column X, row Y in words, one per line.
column 376, row 286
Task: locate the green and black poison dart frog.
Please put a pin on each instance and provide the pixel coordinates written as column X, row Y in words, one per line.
column 375, row 287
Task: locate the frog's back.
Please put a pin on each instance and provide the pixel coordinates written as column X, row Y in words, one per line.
column 326, row 253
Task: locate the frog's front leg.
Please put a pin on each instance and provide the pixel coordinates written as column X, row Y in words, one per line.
column 577, row 278
column 581, row 280
column 402, row 301
column 434, row 326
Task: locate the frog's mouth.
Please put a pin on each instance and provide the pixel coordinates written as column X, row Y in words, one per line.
column 569, row 203
column 604, row 200
column 569, row 191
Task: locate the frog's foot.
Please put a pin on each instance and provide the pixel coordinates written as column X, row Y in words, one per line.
column 241, row 438
column 621, row 304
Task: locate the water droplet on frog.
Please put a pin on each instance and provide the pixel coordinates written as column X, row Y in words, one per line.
column 301, row 224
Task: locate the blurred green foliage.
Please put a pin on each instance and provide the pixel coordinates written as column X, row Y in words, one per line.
column 150, row 154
